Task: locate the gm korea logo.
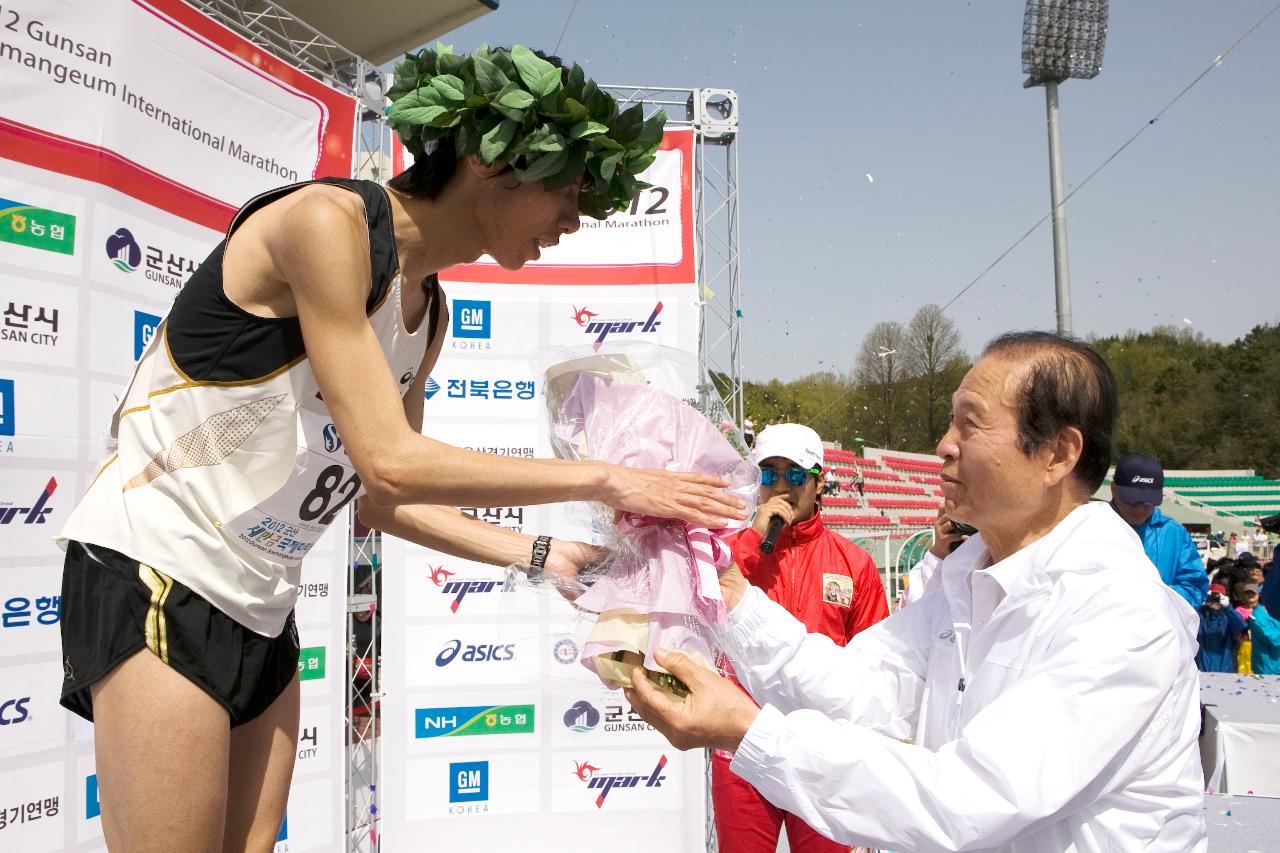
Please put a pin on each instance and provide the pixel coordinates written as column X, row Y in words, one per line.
column 472, row 318
column 144, row 329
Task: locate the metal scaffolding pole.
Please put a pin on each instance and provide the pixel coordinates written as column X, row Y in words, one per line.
column 713, row 116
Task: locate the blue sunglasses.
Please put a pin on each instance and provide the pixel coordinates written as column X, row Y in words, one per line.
column 795, row 476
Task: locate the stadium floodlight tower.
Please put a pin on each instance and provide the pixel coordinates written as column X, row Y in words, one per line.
column 1061, row 39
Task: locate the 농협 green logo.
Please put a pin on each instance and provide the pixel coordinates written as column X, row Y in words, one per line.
column 37, row 228
column 310, row 663
column 473, row 720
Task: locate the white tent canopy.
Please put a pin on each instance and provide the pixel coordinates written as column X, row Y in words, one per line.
column 384, row 30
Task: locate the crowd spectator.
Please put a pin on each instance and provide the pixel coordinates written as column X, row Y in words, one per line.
column 1137, row 490
column 1264, row 630
column 1244, row 596
column 1220, row 630
column 1258, row 543
column 1249, row 562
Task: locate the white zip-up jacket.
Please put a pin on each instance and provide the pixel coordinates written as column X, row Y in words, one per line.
column 1052, row 698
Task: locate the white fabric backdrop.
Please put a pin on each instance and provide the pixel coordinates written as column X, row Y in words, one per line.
column 105, row 208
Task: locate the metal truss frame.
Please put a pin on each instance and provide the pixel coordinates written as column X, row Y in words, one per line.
column 712, row 115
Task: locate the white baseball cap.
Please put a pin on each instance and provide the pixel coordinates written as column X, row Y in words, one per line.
column 796, row 442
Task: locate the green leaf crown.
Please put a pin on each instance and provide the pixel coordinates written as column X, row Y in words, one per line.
column 516, row 107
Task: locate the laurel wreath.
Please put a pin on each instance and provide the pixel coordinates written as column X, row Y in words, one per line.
column 516, row 107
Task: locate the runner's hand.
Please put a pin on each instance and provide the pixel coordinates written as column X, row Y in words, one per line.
column 691, row 497
column 566, row 560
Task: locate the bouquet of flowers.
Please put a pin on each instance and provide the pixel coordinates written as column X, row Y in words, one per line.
column 641, row 407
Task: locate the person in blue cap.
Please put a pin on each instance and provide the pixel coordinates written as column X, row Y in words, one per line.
column 1137, row 490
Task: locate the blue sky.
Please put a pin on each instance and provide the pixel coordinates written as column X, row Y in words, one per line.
column 927, row 100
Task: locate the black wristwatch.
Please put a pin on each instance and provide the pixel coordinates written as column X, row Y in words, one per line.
column 541, row 548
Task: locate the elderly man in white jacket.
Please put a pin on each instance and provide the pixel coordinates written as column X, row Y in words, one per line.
column 1041, row 696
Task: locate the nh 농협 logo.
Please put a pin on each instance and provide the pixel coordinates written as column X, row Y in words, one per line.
column 123, row 250
column 473, row 720
column 37, row 228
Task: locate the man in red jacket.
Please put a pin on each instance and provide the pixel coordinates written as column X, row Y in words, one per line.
column 824, row 580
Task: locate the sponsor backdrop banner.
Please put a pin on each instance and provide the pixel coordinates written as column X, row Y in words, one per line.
column 491, row 728
column 130, row 132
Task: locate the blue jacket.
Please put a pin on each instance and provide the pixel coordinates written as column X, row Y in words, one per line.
column 1169, row 546
column 1264, row 630
column 1219, row 638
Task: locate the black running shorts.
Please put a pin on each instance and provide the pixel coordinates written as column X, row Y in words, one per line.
column 113, row 606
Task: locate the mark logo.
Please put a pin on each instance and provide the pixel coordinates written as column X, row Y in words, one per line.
column 123, row 251
column 603, row 328
column 32, row 514
column 432, row 388
column 606, row 782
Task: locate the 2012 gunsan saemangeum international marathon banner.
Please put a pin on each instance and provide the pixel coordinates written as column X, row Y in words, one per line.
column 153, row 99
column 129, row 134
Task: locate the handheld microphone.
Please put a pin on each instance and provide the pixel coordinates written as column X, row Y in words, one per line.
column 771, row 535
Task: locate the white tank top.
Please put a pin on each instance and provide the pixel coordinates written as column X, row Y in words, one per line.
column 226, row 479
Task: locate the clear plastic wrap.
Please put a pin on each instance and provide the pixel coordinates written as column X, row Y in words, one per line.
column 641, row 406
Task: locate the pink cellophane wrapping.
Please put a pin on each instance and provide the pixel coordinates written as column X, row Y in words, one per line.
column 664, row 569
